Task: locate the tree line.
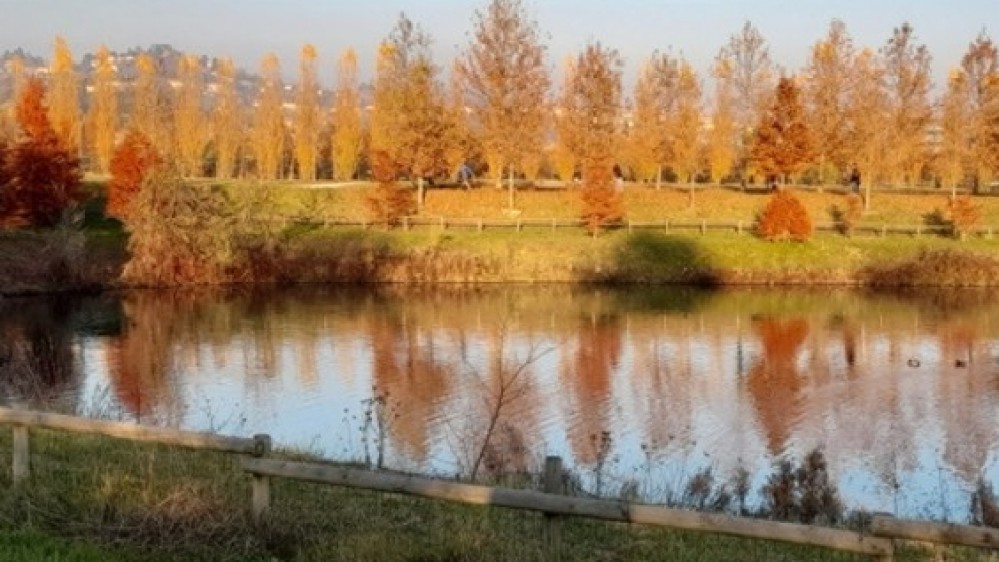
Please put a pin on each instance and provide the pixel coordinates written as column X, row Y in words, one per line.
column 859, row 112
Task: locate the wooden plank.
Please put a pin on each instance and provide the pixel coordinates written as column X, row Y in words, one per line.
column 21, row 464
column 132, row 432
column 944, row 533
column 564, row 505
column 553, row 523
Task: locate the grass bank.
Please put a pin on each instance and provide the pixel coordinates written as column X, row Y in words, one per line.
column 93, row 498
column 92, row 257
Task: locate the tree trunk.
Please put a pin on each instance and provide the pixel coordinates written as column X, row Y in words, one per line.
column 659, row 177
column 419, row 193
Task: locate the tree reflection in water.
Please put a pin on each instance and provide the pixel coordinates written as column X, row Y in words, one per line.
column 722, row 380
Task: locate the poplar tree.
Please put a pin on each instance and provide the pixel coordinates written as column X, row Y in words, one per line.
column 268, row 121
column 149, row 106
column 189, row 124
column 685, row 124
column 566, row 129
column 409, row 121
column 227, row 121
column 751, row 73
column 348, row 132
column 507, row 81
column 907, row 81
column 722, row 138
column 307, row 115
column 828, row 84
column 956, row 131
column 102, row 118
column 459, row 146
column 649, row 139
column 868, row 116
column 980, row 67
column 8, row 120
column 64, row 100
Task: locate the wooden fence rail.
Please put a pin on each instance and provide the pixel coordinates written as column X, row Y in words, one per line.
column 22, row 420
column 554, row 504
column 665, row 225
column 551, row 503
column 941, row 533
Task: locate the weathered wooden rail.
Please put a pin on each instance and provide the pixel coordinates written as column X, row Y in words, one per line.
column 23, row 420
column 552, row 503
column 665, row 225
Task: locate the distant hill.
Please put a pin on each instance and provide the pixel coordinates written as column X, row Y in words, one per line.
column 168, row 59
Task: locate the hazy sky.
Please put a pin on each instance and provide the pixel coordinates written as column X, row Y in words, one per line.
column 246, row 29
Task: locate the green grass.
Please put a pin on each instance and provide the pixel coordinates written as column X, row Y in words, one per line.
column 101, row 499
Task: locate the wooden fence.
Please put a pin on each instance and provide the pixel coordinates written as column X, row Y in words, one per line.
column 700, row 226
column 552, row 503
column 22, row 420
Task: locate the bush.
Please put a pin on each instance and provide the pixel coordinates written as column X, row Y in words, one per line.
column 785, row 218
column 181, row 233
column 802, row 494
column 847, row 217
column 963, row 215
column 602, row 206
column 388, row 202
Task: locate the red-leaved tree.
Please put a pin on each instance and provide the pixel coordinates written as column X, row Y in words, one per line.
column 42, row 176
column 132, row 161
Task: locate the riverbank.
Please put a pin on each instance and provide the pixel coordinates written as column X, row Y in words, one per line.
column 283, row 234
column 38, row 262
column 94, row 498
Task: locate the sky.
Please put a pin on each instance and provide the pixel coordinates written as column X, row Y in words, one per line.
column 247, row 29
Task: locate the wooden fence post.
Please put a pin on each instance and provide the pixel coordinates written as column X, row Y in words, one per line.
column 21, row 466
column 261, row 485
column 553, row 523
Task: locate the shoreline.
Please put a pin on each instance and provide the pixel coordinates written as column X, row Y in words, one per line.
column 354, row 256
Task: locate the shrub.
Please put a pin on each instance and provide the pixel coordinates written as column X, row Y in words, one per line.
column 387, row 202
column 132, row 161
column 963, row 215
column 848, row 216
column 951, row 268
column 181, row 233
column 984, row 506
column 602, row 206
column 785, row 218
column 803, row 494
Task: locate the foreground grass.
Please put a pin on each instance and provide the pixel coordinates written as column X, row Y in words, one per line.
column 100, row 499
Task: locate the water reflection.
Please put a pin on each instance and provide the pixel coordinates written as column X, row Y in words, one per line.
column 902, row 391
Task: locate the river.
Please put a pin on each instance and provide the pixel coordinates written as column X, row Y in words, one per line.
column 637, row 388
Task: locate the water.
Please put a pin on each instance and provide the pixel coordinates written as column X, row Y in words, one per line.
column 637, row 388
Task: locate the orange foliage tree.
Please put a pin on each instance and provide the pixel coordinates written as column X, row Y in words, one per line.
column 42, row 176
column 783, row 145
column 785, row 218
column 130, row 164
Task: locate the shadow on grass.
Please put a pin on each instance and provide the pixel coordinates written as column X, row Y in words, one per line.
column 651, row 257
